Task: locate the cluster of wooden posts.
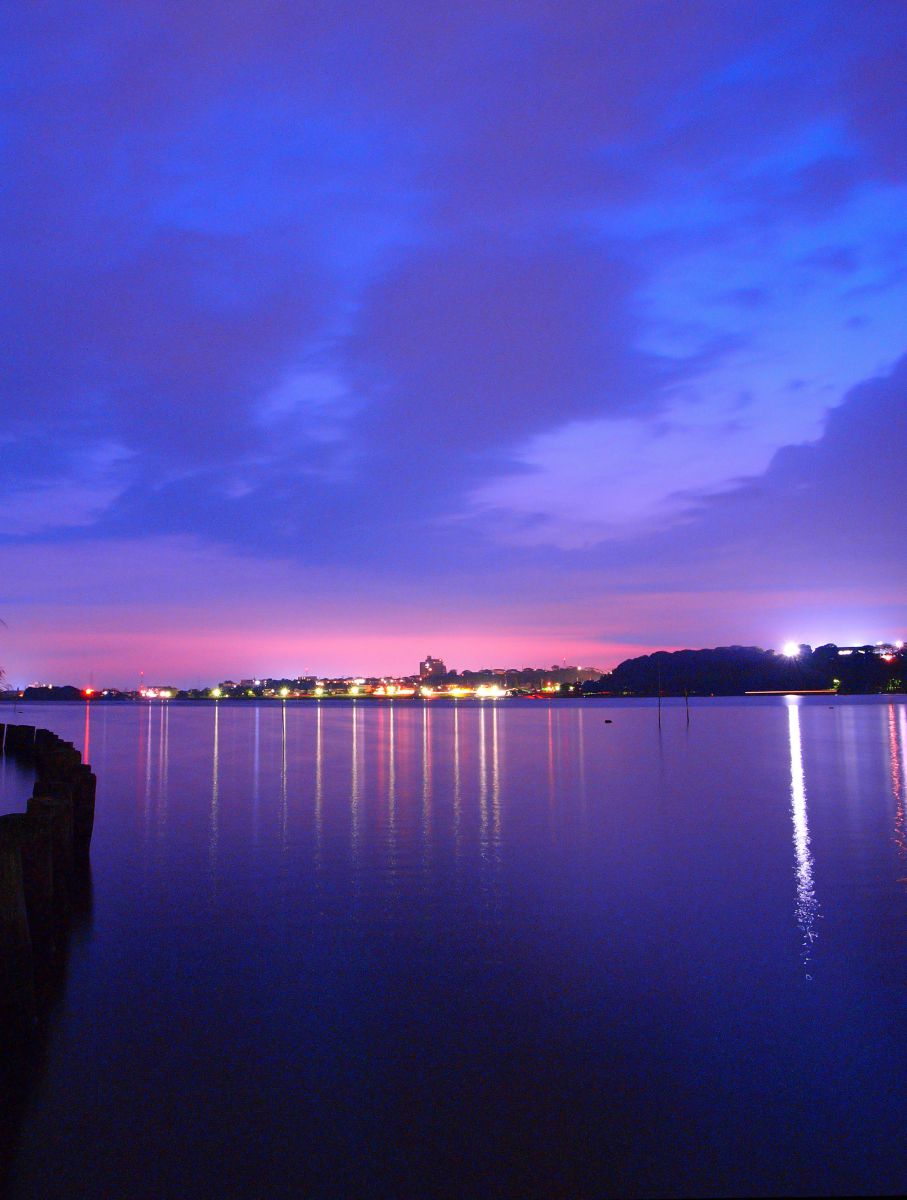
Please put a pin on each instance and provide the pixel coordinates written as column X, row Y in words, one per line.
column 43, row 853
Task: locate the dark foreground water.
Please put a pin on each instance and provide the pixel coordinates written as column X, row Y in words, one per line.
column 499, row 950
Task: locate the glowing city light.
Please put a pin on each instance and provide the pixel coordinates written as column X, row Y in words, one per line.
column 216, row 693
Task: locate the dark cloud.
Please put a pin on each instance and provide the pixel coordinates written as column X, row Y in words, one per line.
column 825, row 514
column 454, row 211
column 837, row 502
column 470, row 349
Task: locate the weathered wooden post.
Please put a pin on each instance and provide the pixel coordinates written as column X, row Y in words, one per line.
column 56, row 814
column 58, row 762
column 20, row 741
column 17, row 976
column 86, row 784
column 32, row 834
column 42, row 857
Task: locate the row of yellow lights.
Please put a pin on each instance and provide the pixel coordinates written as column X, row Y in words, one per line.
column 490, row 690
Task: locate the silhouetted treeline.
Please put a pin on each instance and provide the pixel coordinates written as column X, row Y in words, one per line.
column 64, row 691
column 731, row 670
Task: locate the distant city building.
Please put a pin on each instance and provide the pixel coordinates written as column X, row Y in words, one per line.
column 431, row 668
column 885, row 650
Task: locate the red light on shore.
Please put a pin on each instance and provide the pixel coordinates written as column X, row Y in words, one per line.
column 86, row 692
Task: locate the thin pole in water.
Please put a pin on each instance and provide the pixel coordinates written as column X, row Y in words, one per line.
column 659, row 695
column 686, row 700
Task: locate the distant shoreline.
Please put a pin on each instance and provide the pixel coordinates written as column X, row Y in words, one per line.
column 554, row 698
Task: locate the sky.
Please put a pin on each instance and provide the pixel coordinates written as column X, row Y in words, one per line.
column 335, row 334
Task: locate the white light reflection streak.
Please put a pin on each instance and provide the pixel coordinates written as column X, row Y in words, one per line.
column 495, row 782
column 319, row 786
column 256, row 775
column 355, row 784
column 283, row 775
column 426, row 785
column 163, row 768
column 215, row 801
column 807, row 905
column 582, row 769
column 495, row 881
column 457, row 798
column 897, row 736
column 483, row 786
column 550, row 773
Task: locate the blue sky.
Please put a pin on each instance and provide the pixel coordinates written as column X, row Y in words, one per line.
column 341, row 333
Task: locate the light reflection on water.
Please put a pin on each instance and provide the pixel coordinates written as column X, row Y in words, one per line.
column 215, row 794
column 897, row 741
column 356, row 774
column 577, row 949
column 807, row 904
column 457, row 793
column 319, row 784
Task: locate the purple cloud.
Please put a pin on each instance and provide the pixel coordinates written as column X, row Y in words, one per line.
column 458, row 290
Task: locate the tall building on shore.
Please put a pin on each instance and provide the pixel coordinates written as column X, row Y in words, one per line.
column 431, row 668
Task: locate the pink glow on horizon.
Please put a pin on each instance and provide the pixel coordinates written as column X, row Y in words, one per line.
column 208, row 656
column 189, row 615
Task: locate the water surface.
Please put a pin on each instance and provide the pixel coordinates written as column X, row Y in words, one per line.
column 502, row 949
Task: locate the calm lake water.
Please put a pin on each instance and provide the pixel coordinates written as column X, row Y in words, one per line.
column 480, row 950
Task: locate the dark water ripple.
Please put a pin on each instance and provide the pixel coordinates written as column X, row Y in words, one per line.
column 466, row 950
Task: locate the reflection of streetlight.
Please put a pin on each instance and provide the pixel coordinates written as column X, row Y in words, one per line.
column 807, row 905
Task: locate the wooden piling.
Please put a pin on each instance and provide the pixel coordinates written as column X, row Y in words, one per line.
column 20, row 742
column 18, row 1009
column 57, row 813
column 43, row 856
column 33, row 836
column 83, row 810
